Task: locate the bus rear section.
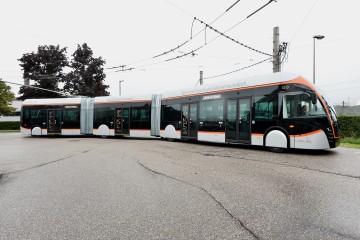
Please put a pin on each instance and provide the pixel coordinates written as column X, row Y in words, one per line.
column 57, row 116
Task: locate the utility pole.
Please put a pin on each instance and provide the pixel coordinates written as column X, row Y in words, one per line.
column 276, row 55
column 120, row 87
column 201, row 78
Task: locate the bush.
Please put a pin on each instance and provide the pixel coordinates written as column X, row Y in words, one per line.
column 9, row 125
column 349, row 126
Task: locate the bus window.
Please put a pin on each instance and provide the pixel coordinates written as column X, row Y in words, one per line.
column 26, row 116
column 104, row 115
column 266, row 107
column 171, row 113
column 37, row 115
column 212, row 111
column 140, row 118
column 300, row 105
column 71, row 118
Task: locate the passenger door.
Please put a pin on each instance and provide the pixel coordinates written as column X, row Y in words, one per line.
column 121, row 121
column 54, row 121
column 189, row 128
column 238, row 120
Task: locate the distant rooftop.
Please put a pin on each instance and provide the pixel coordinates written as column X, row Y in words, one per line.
column 347, row 110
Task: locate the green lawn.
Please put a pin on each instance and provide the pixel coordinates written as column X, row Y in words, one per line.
column 4, row 131
column 350, row 142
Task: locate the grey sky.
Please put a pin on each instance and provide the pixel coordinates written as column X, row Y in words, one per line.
column 132, row 32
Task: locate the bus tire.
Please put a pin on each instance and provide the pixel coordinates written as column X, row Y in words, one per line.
column 36, row 131
column 276, row 149
column 276, row 141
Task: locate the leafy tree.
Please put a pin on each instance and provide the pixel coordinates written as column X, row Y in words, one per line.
column 87, row 77
column 44, row 67
column 6, row 97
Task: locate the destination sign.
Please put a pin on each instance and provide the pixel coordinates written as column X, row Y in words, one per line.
column 211, row 97
column 71, row 106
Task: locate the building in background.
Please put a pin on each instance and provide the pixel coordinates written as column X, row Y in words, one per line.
column 16, row 116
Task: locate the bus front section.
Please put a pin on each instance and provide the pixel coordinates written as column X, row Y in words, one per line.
column 308, row 117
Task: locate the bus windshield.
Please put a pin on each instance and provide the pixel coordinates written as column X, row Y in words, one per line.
column 329, row 105
column 300, row 104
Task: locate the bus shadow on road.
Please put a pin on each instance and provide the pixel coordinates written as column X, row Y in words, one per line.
column 329, row 152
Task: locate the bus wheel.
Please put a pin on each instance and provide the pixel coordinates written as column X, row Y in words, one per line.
column 36, row 131
column 276, row 141
column 276, row 149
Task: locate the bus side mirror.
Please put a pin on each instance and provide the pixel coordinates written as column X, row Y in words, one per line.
column 313, row 98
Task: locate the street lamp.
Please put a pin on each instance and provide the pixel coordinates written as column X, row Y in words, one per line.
column 120, row 87
column 319, row 37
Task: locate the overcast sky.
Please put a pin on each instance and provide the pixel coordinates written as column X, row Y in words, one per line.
column 131, row 33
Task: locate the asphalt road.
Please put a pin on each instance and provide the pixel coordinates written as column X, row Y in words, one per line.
column 104, row 188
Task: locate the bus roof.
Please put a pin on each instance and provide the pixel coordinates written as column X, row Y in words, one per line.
column 109, row 99
column 234, row 84
column 51, row 101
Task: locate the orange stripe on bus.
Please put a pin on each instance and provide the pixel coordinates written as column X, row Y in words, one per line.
column 257, row 135
column 307, row 134
column 51, row 104
column 208, row 132
column 123, row 101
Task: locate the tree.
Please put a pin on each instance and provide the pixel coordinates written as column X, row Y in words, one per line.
column 87, row 77
column 44, row 67
column 6, row 97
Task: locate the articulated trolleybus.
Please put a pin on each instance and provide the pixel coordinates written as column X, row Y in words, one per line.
column 278, row 111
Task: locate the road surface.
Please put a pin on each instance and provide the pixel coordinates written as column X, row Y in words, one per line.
column 106, row 188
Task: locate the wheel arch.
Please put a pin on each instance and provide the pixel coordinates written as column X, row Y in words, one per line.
column 287, row 135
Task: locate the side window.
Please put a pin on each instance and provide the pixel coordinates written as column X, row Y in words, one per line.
column 212, row 110
column 71, row 115
column 26, row 115
column 104, row 115
column 38, row 115
column 300, row 105
column 266, row 107
column 140, row 118
column 140, row 114
column 170, row 113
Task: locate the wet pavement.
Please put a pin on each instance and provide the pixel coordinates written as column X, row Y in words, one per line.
column 101, row 188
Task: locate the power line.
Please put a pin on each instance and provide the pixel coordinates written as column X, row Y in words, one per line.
column 226, row 36
column 182, row 44
column 303, row 21
column 44, row 89
column 260, row 8
column 185, row 54
column 240, row 69
column 171, row 50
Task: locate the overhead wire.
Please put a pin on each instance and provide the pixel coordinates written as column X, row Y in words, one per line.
column 182, row 44
column 231, row 39
column 240, row 69
column 43, row 89
column 303, row 21
column 207, row 43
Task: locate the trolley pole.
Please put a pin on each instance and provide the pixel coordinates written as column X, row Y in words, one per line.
column 201, row 78
column 276, row 55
